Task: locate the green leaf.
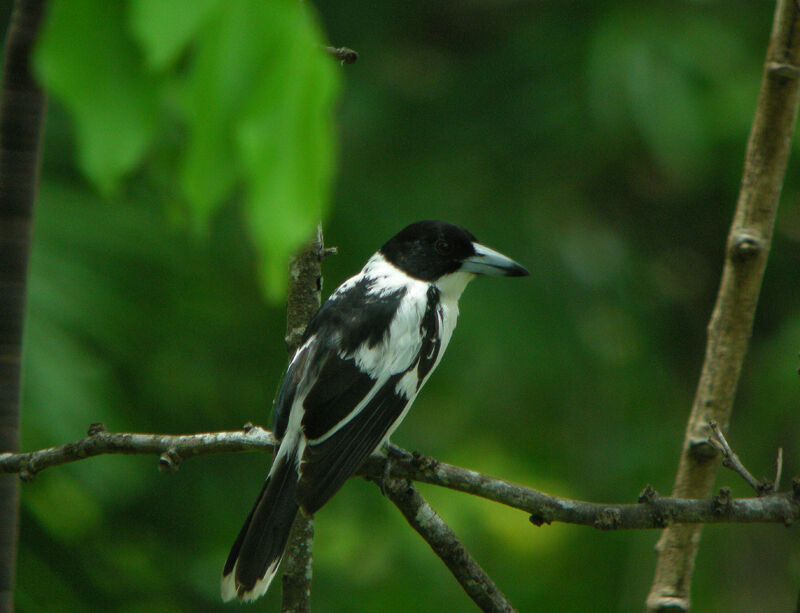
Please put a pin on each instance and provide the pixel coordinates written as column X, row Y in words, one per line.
column 254, row 97
column 260, row 94
column 165, row 29
column 85, row 59
column 221, row 73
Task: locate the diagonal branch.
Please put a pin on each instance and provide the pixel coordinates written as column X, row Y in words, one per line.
column 732, row 461
column 652, row 511
column 421, row 516
column 732, row 320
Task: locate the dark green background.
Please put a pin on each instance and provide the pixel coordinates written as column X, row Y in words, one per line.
column 598, row 143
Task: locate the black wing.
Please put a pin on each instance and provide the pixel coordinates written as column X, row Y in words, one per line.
column 326, row 465
column 334, row 451
column 288, row 390
column 343, row 323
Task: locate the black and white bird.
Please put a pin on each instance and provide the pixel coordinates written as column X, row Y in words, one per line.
column 362, row 361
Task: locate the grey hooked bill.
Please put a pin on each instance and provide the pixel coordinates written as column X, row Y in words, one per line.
column 487, row 261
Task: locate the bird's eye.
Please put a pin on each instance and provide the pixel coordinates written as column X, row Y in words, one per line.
column 442, row 246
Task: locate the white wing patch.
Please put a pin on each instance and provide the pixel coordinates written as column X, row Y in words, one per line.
column 394, row 354
column 400, row 348
column 408, row 385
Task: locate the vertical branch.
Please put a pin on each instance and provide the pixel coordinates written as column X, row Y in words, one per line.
column 302, row 301
column 21, row 113
column 732, row 320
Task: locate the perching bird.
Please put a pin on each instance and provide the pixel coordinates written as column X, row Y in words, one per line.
column 362, row 360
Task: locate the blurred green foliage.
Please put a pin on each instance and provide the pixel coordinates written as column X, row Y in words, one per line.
column 600, row 144
column 244, row 83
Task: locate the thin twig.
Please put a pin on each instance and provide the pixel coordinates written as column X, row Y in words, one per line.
column 731, row 323
column 343, row 54
column 421, row 516
column 732, row 461
column 778, row 470
column 652, row 512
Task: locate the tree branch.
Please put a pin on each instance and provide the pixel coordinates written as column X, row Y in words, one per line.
column 171, row 448
column 732, row 461
column 652, row 511
column 21, row 118
column 421, row 516
column 344, row 54
column 302, row 301
column 732, row 320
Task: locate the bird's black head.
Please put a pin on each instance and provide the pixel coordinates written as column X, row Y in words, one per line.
column 428, row 250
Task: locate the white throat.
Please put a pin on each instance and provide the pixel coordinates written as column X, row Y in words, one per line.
column 452, row 285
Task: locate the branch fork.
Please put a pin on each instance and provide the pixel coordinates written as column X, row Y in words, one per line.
column 732, row 461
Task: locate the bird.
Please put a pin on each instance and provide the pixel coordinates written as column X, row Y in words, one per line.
column 359, row 366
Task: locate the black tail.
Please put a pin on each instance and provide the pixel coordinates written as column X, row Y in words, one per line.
column 257, row 551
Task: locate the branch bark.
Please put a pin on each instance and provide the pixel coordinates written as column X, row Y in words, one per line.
column 344, row 54
column 652, row 511
column 732, row 319
column 444, row 542
column 171, row 448
column 21, row 115
column 302, row 301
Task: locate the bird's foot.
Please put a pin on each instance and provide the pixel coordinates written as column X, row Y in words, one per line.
column 393, row 454
column 397, row 453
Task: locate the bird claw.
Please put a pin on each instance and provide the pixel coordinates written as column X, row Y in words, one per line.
column 393, row 453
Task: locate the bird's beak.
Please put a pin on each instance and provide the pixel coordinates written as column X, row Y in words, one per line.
column 489, row 262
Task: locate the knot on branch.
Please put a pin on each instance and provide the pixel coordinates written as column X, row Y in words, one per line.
column 324, row 252
column 796, row 488
column 169, row 461
column 765, row 487
column 744, row 247
column 96, row 428
column 647, row 495
column 668, row 604
column 423, row 462
column 701, row 451
column 783, row 70
column 27, row 473
column 722, row 501
column 539, row 519
column 608, row 519
column 344, row 54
